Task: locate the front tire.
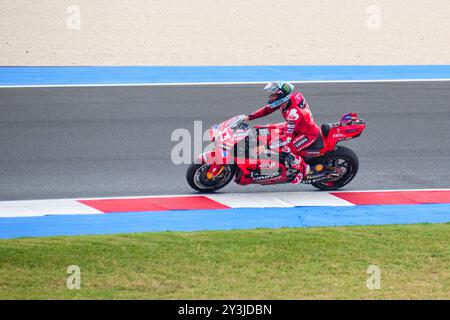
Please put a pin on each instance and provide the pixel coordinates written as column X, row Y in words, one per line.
column 343, row 158
column 196, row 178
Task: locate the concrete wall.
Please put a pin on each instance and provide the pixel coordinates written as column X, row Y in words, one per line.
column 227, row 32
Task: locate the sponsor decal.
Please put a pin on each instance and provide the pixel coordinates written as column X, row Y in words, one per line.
column 279, row 143
column 316, row 176
column 302, row 104
column 313, row 153
column 286, row 87
column 266, row 177
column 224, row 136
column 338, row 135
column 319, row 167
column 275, row 144
column 267, row 165
column 298, row 144
column 273, row 181
column 293, row 115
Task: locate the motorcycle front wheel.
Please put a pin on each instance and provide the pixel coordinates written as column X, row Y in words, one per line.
column 196, row 177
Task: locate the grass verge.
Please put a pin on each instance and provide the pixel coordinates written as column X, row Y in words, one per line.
column 314, row 263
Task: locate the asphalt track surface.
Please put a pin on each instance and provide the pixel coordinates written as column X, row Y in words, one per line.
column 116, row 141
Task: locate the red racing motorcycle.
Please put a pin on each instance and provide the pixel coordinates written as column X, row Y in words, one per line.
column 243, row 153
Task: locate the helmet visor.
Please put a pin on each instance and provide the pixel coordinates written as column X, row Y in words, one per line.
column 273, row 97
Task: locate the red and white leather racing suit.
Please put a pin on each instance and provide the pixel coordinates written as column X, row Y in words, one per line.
column 301, row 129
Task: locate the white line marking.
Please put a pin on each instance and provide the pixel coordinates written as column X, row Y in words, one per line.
column 280, row 200
column 211, row 83
column 36, row 208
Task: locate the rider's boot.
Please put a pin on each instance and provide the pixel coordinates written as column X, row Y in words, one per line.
column 297, row 163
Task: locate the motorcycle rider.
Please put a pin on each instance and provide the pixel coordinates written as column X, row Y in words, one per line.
column 301, row 129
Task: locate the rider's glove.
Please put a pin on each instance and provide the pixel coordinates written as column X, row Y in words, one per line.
column 241, row 123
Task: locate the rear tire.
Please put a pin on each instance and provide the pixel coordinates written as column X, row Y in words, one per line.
column 195, row 177
column 344, row 154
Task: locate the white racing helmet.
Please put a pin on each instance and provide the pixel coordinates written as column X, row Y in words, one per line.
column 279, row 93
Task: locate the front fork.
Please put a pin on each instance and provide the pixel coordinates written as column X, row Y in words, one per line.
column 214, row 169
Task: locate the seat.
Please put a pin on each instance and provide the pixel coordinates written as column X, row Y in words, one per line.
column 326, row 129
column 317, row 145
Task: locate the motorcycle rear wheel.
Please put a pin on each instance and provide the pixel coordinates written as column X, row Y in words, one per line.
column 196, row 178
column 342, row 157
